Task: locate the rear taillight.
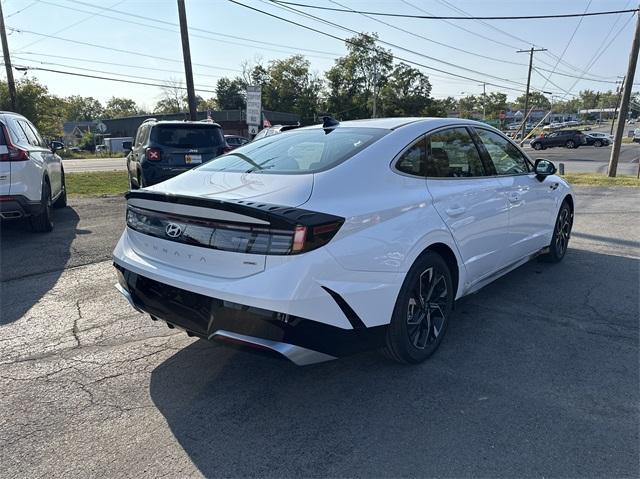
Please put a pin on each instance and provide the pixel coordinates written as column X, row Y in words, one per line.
column 228, row 236
column 13, row 153
column 153, row 154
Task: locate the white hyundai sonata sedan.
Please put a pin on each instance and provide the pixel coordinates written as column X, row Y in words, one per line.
column 341, row 237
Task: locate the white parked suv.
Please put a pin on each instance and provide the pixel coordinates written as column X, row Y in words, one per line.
column 341, row 237
column 31, row 174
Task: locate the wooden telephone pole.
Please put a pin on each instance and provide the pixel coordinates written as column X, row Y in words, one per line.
column 624, row 102
column 526, row 97
column 7, row 63
column 186, row 53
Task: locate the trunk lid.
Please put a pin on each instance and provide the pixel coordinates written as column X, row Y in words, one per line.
column 282, row 190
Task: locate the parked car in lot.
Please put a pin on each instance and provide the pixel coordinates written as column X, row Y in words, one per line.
column 31, row 173
column 598, row 139
column 235, row 141
column 274, row 130
column 341, row 237
column 568, row 138
column 164, row 149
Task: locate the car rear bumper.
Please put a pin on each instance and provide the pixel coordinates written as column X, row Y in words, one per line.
column 17, row 206
column 303, row 341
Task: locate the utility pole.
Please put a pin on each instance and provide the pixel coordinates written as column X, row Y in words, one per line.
column 615, row 110
column 526, row 97
column 626, row 98
column 7, row 63
column 484, row 100
column 375, row 93
column 186, row 53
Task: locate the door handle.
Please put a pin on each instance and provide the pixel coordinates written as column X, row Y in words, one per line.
column 456, row 211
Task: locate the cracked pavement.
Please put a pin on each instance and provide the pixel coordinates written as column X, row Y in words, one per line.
column 538, row 374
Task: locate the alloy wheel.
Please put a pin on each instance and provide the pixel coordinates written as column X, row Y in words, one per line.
column 563, row 230
column 426, row 308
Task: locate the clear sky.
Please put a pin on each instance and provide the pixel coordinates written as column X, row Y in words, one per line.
column 154, row 41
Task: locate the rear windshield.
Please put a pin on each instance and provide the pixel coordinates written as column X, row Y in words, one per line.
column 297, row 151
column 187, row 136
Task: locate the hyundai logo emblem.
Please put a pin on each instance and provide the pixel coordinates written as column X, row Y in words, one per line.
column 173, row 230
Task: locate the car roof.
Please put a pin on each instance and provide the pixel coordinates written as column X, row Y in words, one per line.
column 394, row 123
column 181, row 122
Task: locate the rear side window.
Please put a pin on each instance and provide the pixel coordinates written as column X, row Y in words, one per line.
column 412, row 161
column 506, row 158
column 452, row 153
column 187, row 136
column 28, row 132
column 297, row 151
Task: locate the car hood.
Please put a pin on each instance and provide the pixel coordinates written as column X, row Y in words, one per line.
column 283, row 190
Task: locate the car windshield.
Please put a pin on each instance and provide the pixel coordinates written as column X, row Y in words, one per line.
column 297, row 152
column 187, row 135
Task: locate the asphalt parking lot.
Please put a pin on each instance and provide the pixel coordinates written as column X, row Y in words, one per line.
column 538, row 375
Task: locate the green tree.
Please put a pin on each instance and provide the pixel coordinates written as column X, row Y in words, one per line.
column 81, row 108
column 495, row 103
column 118, row 107
column 406, row 92
column 357, row 77
column 46, row 111
column 290, row 86
column 441, row 107
column 230, row 94
column 468, row 105
column 87, row 142
column 536, row 100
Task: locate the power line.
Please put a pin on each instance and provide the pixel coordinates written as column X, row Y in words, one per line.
column 119, row 50
column 147, row 19
column 23, row 9
column 134, row 82
column 64, row 29
column 511, row 35
column 98, row 71
column 575, row 30
column 386, row 43
column 102, row 62
column 438, row 17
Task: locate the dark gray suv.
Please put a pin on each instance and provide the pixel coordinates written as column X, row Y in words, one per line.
column 164, row 149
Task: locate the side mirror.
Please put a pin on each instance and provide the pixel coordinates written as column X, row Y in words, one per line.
column 126, row 146
column 543, row 168
column 56, row 146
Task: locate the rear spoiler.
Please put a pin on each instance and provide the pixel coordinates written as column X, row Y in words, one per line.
column 277, row 216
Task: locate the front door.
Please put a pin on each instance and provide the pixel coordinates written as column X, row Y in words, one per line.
column 531, row 203
column 472, row 204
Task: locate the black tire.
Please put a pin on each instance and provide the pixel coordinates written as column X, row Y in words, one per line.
column 140, row 180
column 416, row 332
column 132, row 184
column 570, row 144
column 561, row 235
column 43, row 222
column 537, row 146
column 61, row 202
column 597, row 143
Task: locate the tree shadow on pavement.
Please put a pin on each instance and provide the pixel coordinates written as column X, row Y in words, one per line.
column 538, row 375
column 24, row 253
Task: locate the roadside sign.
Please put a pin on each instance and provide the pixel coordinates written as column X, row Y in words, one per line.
column 254, row 105
column 253, row 129
column 101, row 127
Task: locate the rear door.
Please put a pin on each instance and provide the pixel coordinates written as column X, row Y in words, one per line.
column 471, row 203
column 531, row 203
column 52, row 161
column 5, row 164
column 189, row 144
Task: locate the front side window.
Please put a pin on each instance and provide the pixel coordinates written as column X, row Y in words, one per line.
column 412, row 161
column 297, row 152
column 452, row 153
column 506, row 158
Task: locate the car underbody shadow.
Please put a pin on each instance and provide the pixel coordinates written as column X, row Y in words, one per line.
column 538, row 374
